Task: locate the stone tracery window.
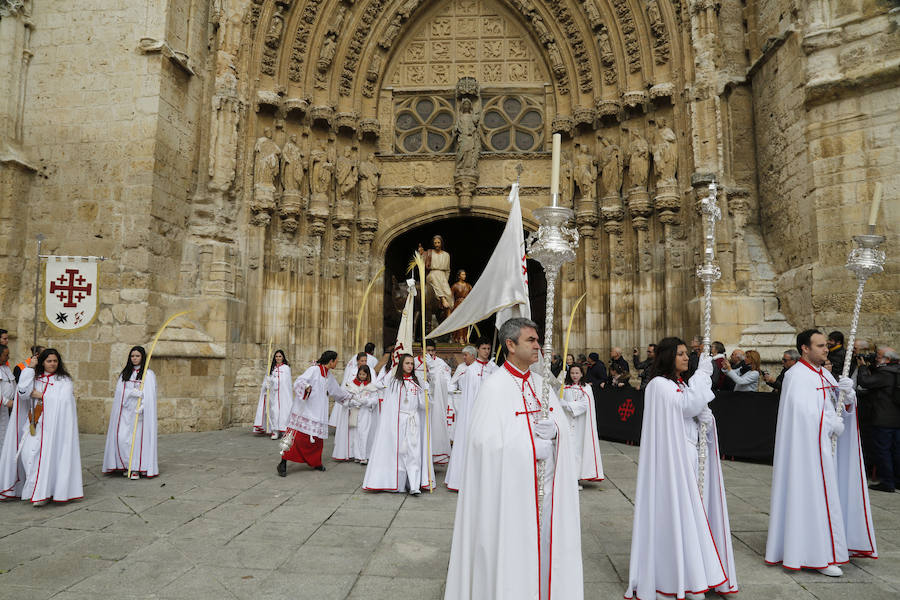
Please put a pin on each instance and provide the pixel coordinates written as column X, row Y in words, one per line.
column 424, row 124
column 512, row 123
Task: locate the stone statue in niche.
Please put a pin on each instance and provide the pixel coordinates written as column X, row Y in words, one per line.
column 369, row 175
column 326, row 54
column 565, row 179
column 321, row 174
column 541, row 29
column 347, row 173
column 593, row 14
column 266, row 166
column 276, row 28
column 611, row 168
column 337, row 21
column 585, row 173
column 638, row 161
column 468, row 146
column 556, row 60
column 607, row 57
column 390, row 34
column 655, row 17
column 293, row 169
column 665, row 154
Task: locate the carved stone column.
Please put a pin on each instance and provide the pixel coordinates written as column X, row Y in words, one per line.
column 739, row 207
column 613, row 214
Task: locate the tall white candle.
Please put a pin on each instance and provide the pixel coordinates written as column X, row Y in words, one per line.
column 876, row 202
column 554, row 174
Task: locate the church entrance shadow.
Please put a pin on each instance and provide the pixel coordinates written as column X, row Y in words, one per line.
column 470, row 242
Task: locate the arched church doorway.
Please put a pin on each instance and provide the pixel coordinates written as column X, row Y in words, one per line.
column 470, row 242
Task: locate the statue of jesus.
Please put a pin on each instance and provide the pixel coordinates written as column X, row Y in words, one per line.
column 460, row 290
column 437, row 272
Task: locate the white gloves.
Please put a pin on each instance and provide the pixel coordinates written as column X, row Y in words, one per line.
column 846, row 385
column 354, row 403
column 543, row 449
column 135, row 393
column 140, row 410
column 835, row 424
column 545, row 429
column 705, row 365
column 705, row 416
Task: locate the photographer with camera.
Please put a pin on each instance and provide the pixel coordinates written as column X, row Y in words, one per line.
column 788, row 360
column 882, row 381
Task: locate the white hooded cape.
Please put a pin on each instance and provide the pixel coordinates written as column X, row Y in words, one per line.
column 679, row 543
column 819, row 513
column 468, row 378
column 121, row 425
column 48, row 465
column 351, row 441
column 278, row 405
column 438, row 380
column 401, row 442
column 495, row 552
column 586, row 443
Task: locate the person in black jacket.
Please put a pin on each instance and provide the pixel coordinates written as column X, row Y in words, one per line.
column 788, row 360
column 836, row 352
column 596, row 372
column 644, row 366
column 884, row 400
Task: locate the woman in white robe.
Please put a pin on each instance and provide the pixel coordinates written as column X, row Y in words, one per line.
column 7, row 392
column 681, row 541
column 129, row 393
column 275, row 398
column 48, row 463
column 351, row 436
column 400, row 458
column 578, row 402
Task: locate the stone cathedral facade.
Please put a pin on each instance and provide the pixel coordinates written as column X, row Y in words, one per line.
column 254, row 161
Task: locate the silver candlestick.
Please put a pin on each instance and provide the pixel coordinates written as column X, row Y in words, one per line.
column 552, row 245
column 864, row 261
column 709, row 273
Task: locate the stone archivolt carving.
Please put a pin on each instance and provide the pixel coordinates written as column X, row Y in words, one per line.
column 607, row 56
column 629, row 31
column 357, row 41
column 593, row 14
column 273, row 41
column 301, row 39
column 576, row 42
column 658, row 29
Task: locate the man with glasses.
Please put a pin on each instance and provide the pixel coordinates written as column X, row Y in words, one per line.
column 788, row 360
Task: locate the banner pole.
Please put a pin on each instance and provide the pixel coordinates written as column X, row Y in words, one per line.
column 37, row 287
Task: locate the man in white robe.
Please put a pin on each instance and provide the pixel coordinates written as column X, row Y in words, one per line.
column 438, row 372
column 506, row 545
column 468, row 379
column 819, row 515
column 308, row 425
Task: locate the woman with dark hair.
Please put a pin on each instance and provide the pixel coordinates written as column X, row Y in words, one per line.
column 681, row 539
column 354, row 425
column 307, row 426
column 7, row 392
column 578, row 402
column 122, row 435
column 400, row 458
column 48, row 464
column 275, row 398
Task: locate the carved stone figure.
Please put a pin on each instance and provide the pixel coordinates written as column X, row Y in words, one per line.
column 337, row 21
column 293, row 170
column 585, row 172
column 565, row 179
column 638, row 161
column 593, row 14
column 390, row 34
column 468, row 145
column 655, row 17
column 266, row 160
column 369, row 174
column 541, row 29
column 276, row 28
column 665, row 154
column 326, row 54
column 347, row 173
column 611, row 169
column 437, row 272
column 556, row 60
column 607, row 57
column 408, row 7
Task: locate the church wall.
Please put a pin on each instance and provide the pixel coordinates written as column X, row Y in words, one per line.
column 826, row 131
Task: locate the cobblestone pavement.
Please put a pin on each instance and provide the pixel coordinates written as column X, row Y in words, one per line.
column 219, row 523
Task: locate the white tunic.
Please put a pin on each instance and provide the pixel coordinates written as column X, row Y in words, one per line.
column 7, row 399
column 467, row 379
column 578, row 400
column 49, row 463
column 354, row 425
column 438, row 380
column 498, row 550
column 121, row 426
column 309, row 412
column 400, row 452
column 279, row 401
column 819, row 513
column 679, row 543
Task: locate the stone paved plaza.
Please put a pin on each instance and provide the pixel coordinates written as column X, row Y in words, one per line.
column 219, row 523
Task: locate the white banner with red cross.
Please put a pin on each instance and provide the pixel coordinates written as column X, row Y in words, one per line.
column 70, row 291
